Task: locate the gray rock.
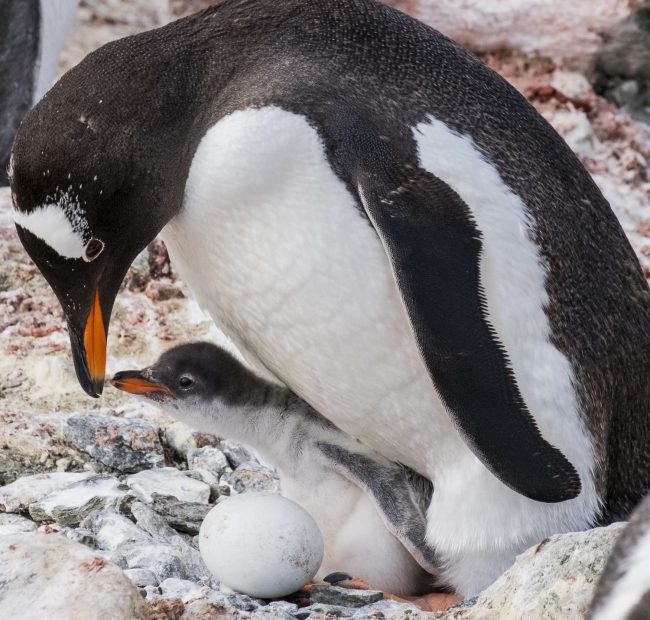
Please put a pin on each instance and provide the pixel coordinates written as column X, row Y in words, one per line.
column 554, row 579
column 183, row 438
column 152, row 523
column 183, row 589
column 209, row 458
column 15, row 524
column 141, row 577
column 192, row 565
column 17, row 496
column 273, row 613
column 321, row 611
column 168, row 481
column 124, row 444
column 149, row 592
column 203, row 609
column 344, row 597
column 112, row 529
column 211, row 479
column 386, row 608
column 236, row 453
column 239, row 602
column 183, row 516
column 69, row 506
column 80, row 535
column 252, row 476
column 284, row 606
column 224, row 490
column 163, row 560
column 49, row 576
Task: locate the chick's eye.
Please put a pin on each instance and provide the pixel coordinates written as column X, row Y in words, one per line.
column 94, row 248
column 185, row 382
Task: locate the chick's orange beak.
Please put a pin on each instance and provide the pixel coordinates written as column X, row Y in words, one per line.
column 133, row 382
column 95, row 343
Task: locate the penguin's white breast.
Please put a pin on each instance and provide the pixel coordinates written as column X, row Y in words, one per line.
column 275, row 248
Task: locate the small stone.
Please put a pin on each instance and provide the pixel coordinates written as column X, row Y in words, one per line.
column 209, row 478
column 273, row 613
column 168, row 481
column 241, row 602
column 203, row 609
column 236, row 453
column 141, row 577
column 163, row 560
column 18, row 495
column 625, row 93
column 151, row 522
column 80, row 535
column 571, row 84
column 385, row 606
column 15, row 524
column 344, row 597
column 183, row 438
column 208, row 458
column 149, row 592
column 124, row 444
column 162, row 291
column 252, row 476
column 285, row 606
column 191, row 563
column 183, row 589
column 112, row 529
column 49, row 576
column 321, row 611
column 70, row 505
column 63, row 463
column 224, row 491
column 183, row 516
column 167, row 608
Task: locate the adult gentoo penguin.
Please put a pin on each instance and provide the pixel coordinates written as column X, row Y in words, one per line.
column 380, row 223
column 31, row 38
column 623, row 592
column 369, row 510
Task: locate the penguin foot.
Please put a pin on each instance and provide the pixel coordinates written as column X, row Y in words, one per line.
column 435, row 601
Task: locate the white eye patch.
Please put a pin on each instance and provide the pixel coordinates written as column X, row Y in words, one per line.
column 51, row 223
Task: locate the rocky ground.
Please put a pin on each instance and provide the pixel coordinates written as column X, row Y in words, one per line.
column 115, row 491
column 112, row 529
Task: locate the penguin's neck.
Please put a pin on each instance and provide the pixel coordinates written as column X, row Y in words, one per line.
column 271, row 420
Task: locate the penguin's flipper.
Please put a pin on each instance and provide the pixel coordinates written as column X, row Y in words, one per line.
column 394, row 495
column 434, row 248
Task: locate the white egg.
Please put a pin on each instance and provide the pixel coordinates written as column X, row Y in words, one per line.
column 261, row 544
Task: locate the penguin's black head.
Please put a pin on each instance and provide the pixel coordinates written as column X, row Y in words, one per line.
column 95, row 174
column 197, row 374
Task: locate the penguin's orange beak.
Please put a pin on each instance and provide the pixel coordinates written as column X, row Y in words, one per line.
column 95, row 343
column 134, row 382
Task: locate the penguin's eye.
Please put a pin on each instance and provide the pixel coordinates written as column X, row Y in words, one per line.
column 185, row 382
column 93, row 249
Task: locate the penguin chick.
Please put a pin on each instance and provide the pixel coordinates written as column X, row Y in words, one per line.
column 371, row 511
column 623, row 592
